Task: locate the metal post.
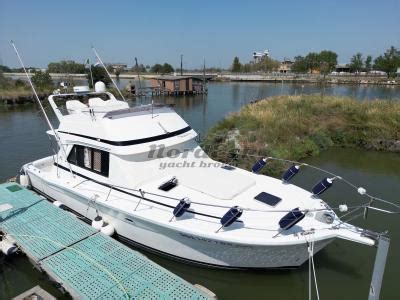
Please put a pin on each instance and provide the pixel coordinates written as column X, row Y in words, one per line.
column 181, row 65
column 138, row 74
column 379, row 267
column 142, row 194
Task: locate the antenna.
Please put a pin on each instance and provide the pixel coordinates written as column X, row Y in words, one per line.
column 181, row 65
column 91, row 74
column 41, row 107
column 101, row 62
column 138, row 74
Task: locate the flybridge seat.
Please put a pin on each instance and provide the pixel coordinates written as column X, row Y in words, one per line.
column 100, row 105
column 75, row 106
column 97, row 104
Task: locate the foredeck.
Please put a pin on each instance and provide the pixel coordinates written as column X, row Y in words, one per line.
column 88, row 264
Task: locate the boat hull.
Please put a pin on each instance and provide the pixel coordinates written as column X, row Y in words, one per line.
column 180, row 245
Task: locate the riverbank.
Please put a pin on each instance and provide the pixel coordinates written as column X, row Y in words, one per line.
column 311, row 79
column 296, row 127
column 20, row 96
column 369, row 79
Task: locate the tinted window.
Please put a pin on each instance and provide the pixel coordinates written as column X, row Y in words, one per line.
column 90, row 159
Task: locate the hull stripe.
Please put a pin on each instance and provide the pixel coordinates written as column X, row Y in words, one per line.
column 132, row 142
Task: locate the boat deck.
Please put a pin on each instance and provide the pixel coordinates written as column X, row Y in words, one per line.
column 85, row 262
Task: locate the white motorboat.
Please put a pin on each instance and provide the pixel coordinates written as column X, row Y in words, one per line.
column 139, row 171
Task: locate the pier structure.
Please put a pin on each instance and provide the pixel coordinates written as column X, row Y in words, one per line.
column 80, row 259
column 178, row 85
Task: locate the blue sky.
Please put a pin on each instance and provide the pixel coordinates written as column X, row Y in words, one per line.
column 159, row 31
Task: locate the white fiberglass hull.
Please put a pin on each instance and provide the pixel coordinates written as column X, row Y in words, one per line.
column 181, row 245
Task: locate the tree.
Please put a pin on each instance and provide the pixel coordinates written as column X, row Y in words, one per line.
column 299, row 65
column 5, row 69
column 388, row 62
column 162, row 69
column 139, row 68
column 268, row 64
column 42, row 81
column 312, row 62
column 236, row 65
column 167, row 68
column 327, row 61
column 323, row 62
column 368, row 63
column 157, row 68
column 356, row 63
column 66, row 66
column 99, row 74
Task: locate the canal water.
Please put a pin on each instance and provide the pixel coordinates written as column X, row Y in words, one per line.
column 343, row 268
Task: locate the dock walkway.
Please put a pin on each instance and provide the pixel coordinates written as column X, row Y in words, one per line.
column 85, row 262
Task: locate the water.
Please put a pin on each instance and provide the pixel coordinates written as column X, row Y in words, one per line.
column 343, row 268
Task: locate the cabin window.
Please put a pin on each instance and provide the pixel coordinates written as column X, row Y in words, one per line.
column 90, row 159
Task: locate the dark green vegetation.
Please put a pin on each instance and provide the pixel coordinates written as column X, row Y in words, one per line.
column 296, row 127
column 162, row 69
column 66, row 66
column 388, row 62
column 42, row 81
column 323, row 62
column 266, row 64
column 19, row 91
column 99, row 74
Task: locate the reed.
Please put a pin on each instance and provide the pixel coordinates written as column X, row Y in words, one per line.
column 295, row 127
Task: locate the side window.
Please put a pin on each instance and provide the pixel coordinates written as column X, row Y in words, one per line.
column 91, row 159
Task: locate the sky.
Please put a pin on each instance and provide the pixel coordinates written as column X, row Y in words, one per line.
column 214, row 31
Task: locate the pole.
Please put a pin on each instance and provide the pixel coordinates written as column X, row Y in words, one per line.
column 138, row 73
column 112, row 80
column 181, row 65
column 41, row 107
column 91, row 74
column 204, row 75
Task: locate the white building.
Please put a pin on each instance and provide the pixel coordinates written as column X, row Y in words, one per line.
column 258, row 56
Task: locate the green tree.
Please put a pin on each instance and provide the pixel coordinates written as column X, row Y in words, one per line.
column 157, row 68
column 42, row 81
column 327, row 61
column 99, row 74
column 236, row 65
column 356, row 63
column 66, row 66
column 312, row 61
column 167, row 68
column 299, row 65
column 5, row 69
column 268, row 64
column 368, row 63
column 162, row 69
column 139, row 68
column 388, row 62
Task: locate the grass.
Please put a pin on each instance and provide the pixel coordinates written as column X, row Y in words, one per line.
column 295, row 127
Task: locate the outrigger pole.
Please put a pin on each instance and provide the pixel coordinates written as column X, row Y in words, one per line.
column 102, row 64
column 41, row 107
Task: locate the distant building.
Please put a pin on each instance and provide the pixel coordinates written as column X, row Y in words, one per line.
column 342, row 68
column 285, row 66
column 398, row 72
column 177, row 85
column 118, row 66
column 258, row 56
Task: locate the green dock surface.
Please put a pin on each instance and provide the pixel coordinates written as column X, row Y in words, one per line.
column 88, row 264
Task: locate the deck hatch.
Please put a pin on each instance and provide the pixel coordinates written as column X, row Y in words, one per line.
column 268, row 199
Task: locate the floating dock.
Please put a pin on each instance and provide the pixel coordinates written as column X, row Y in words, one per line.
column 83, row 261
